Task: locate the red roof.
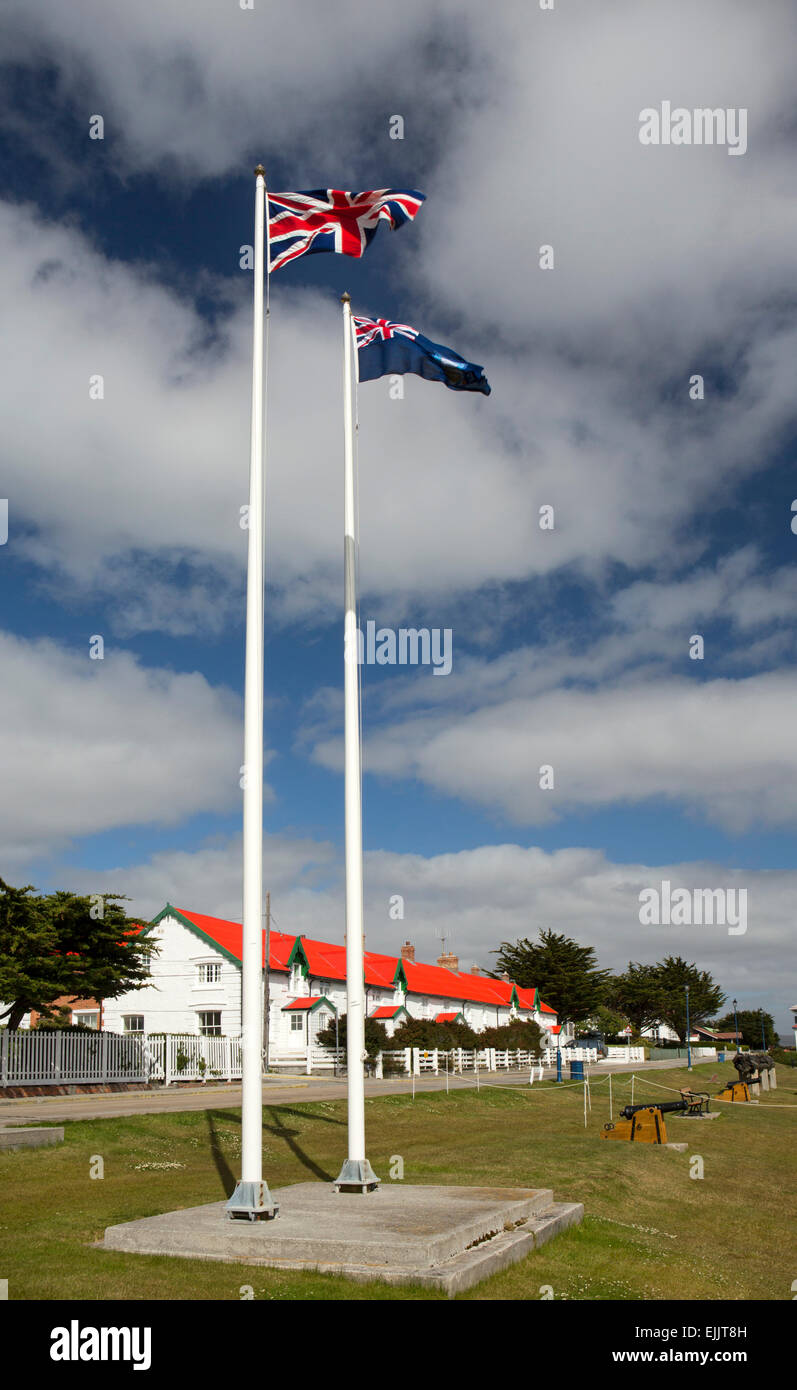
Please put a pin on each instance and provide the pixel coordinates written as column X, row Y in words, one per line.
column 441, row 983
column 303, row 1003
column 327, row 961
column 387, row 1011
column 228, row 936
column 447, row 1018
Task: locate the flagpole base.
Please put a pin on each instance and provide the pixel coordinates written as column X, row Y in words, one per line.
column 252, row 1201
column 356, row 1175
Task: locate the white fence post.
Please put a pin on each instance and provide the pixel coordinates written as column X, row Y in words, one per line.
column 167, row 1060
column 4, row 1057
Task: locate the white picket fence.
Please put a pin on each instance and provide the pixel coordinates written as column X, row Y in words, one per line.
column 619, row 1053
column 189, row 1057
column 569, row 1054
column 50, row 1057
column 417, row 1061
column 45, row 1056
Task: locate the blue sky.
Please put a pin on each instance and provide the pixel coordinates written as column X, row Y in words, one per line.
column 570, row 647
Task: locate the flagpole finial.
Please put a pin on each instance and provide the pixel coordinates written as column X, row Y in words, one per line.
column 345, row 298
column 260, row 170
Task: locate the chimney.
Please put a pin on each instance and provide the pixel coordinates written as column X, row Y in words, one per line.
column 448, row 960
column 475, row 969
column 506, row 977
column 408, row 951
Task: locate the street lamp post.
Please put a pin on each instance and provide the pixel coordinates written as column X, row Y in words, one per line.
column 763, row 1037
column 735, row 1028
column 688, row 1034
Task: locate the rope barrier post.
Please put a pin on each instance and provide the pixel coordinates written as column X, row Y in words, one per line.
column 633, row 1079
column 585, row 1105
column 611, row 1116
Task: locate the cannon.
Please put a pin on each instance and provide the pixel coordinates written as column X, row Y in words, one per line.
column 644, row 1124
column 735, row 1091
column 748, row 1064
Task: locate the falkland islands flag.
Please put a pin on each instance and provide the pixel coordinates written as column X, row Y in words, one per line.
column 391, row 349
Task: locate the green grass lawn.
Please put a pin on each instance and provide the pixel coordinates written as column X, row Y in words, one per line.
column 650, row 1230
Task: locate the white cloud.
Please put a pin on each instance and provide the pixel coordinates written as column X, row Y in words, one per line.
column 192, row 85
column 90, row 745
column 110, row 494
column 669, row 261
column 721, row 748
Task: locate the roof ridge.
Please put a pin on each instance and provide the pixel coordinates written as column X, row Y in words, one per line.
column 484, row 989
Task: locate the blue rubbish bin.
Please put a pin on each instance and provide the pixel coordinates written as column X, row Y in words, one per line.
column 576, row 1071
column 720, row 1056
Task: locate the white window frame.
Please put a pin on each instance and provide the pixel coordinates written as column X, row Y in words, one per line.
column 203, row 967
column 296, row 1021
column 133, row 1032
column 209, row 1032
column 82, row 1015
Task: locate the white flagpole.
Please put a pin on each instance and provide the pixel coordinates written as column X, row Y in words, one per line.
column 356, row 1173
column 251, row 1197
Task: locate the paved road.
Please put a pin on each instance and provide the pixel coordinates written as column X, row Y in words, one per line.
column 275, row 1091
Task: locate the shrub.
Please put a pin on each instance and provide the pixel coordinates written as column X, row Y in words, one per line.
column 376, row 1039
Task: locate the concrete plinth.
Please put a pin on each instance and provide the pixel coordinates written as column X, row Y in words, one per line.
column 676, row 1115
column 32, row 1137
column 445, row 1237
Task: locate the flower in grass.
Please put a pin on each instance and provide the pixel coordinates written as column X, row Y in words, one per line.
column 150, row 1167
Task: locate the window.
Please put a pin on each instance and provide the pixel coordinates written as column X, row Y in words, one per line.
column 210, row 1024
column 90, row 1019
column 133, row 1023
column 209, row 972
column 296, row 1023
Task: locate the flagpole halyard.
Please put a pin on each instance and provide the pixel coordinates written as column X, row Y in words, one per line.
column 251, row 1198
column 356, row 1175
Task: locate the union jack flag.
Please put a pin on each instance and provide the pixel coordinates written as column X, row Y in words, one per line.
column 379, row 330
column 329, row 219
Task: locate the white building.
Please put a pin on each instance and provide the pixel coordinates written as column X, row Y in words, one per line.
column 196, row 987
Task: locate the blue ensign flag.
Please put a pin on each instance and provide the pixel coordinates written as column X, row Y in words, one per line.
column 391, row 349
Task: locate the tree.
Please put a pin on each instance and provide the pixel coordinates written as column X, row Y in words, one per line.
column 425, row 1032
column 376, row 1039
column 55, row 945
column 671, row 976
column 565, row 973
column 749, row 1027
column 637, row 994
column 603, row 1020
